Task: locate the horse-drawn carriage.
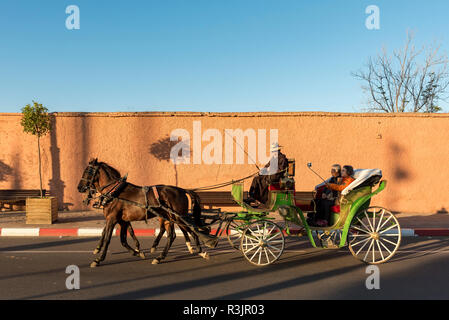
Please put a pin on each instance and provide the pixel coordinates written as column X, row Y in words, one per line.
column 372, row 234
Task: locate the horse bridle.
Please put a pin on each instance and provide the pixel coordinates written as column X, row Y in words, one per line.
column 91, row 189
column 92, row 170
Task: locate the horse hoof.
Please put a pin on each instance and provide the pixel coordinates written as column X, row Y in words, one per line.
column 204, row 255
column 152, row 250
column 155, row 261
column 96, row 251
column 189, row 246
column 142, row 255
column 94, row 264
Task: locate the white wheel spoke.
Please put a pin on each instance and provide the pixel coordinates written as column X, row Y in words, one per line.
column 390, row 242
column 276, row 241
column 366, row 228
column 266, row 254
column 250, row 249
column 369, row 249
column 374, row 220
column 380, row 220
column 265, row 234
column 275, row 235
column 272, row 253
column 251, row 240
column 269, row 232
column 255, row 253
column 380, row 250
column 360, row 235
column 385, row 222
column 358, row 229
column 389, row 252
column 361, row 241
column 390, row 227
column 361, row 248
column 277, row 249
column 369, row 221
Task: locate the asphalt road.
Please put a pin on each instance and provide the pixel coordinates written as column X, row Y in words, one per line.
column 35, row 268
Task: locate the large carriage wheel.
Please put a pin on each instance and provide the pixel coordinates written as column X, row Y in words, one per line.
column 262, row 242
column 234, row 232
column 374, row 235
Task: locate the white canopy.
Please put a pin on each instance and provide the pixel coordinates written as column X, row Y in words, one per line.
column 360, row 175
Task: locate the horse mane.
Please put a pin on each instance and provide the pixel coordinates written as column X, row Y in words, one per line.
column 110, row 171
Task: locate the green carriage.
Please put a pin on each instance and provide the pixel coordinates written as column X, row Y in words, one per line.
column 372, row 234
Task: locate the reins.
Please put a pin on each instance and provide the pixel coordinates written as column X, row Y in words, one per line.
column 224, row 184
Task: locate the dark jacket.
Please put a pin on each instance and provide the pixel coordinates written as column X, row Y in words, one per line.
column 282, row 165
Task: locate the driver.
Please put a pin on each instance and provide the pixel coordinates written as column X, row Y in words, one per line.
column 268, row 175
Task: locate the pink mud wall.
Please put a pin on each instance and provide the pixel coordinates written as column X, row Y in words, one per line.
column 412, row 150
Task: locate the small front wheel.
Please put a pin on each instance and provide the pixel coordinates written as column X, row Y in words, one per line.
column 374, row 235
column 234, row 231
column 262, row 242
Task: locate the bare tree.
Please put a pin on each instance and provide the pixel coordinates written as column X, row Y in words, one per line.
column 403, row 83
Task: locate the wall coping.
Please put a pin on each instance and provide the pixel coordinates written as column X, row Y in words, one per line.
column 238, row 114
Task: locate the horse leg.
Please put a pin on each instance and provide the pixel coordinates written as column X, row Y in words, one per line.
column 170, row 238
column 109, row 228
column 204, row 254
column 123, row 239
column 186, row 236
column 159, row 236
column 100, row 244
column 136, row 241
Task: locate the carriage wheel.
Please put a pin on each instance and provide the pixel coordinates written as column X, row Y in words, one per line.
column 374, row 235
column 262, row 242
column 234, row 231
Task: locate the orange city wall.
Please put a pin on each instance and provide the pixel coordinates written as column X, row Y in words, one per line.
column 411, row 149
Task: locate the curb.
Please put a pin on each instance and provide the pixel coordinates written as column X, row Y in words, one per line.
column 94, row 232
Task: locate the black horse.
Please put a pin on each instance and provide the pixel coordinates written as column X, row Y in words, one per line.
column 125, row 202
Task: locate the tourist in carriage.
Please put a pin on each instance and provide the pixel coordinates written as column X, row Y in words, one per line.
column 332, row 192
column 268, row 175
column 325, row 198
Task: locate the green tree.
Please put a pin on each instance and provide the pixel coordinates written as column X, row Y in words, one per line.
column 36, row 121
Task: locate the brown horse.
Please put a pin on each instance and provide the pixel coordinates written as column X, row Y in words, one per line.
column 125, row 202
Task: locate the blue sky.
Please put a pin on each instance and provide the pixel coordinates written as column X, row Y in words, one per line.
column 201, row 55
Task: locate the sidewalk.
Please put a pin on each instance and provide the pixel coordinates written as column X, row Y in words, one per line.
column 91, row 223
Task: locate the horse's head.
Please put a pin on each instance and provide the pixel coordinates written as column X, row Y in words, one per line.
column 90, row 176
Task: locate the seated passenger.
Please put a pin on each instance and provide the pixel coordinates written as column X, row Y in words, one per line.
column 346, row 179
column 327, row 200
column 267, row 175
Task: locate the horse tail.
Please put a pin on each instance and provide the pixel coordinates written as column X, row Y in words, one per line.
column 196, row 204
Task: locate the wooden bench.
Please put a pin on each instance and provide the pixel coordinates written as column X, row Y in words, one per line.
column 224, row 198
column 218, row 199
column 18, row 197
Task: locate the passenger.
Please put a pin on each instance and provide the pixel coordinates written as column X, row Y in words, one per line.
column 259, row 187
column 328, row 197
column 346, row 179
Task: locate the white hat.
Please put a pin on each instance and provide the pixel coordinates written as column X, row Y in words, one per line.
column 275, row 147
